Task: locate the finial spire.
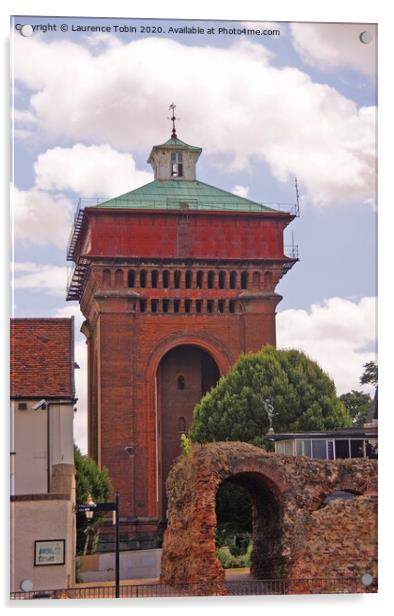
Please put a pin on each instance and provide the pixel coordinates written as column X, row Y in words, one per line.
column 173, row 118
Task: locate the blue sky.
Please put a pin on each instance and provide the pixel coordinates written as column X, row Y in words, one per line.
column 88, row 109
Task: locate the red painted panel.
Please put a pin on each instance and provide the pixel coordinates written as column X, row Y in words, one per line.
column 194, row 235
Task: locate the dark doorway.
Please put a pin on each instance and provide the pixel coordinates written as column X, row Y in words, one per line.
column 184, row 375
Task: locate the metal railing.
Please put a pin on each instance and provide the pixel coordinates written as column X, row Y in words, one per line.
column 341, row 585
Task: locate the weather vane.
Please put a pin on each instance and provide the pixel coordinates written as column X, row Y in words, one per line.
column 173, row 118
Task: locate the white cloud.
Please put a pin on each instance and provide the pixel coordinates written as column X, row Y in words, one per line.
column 241, row 191
column 39, row 278
column 333, row 334
column 41, row 218
column 332, row 46
column 96, row 170
column 251, row 108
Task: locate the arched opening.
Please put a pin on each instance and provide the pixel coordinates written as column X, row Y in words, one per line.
column 131, row 278
column 119, row 278
column 211, row 279
column 166, row 279
column 143, row 279
column 256, row 279
column 249, row 533
column 222, row 280
column 154, row 278
column 188, row 279
column 233, row 280
column 244, row 280
column 107, row 278
column 199, row 279
column 184, row 375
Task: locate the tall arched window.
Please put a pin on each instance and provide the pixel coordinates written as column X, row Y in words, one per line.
column 166, row 279
column 142, row 279
column 268, row 280
column 244, row 280
column 177, row 279
column 233, row 280
column 131, row 278
column 222, row 280
column 200, row 279
column 154, row 278
column 211, row 279
column 188, row 279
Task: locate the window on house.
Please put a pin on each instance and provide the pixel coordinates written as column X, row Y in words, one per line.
column 180, row 382
column 221, row 305
column 256, row 279
column 143, row 279
column 319, row 449
column 233, row 280
column 231, row 305
column 188, row 305
column 166, row 305
column 342, row 448
column 181, row 424
column 177, row 304
column 357, row 448
column 154, row 305
column 211, row 279
column 198, row 305
column 142, row 305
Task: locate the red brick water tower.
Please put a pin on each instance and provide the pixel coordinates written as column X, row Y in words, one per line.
column 175, row 279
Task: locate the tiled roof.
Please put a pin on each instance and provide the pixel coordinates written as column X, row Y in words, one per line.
column 42, row 358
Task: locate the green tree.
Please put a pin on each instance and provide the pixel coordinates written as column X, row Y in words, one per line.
column 358, row 405
column 370, row 374
column 93, row 481
column 303, row 397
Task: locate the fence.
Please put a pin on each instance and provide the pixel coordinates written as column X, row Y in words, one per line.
column 235, row 588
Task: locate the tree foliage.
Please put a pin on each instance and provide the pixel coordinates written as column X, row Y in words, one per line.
column 370, row 374
column 303, row 397
column 93, row 481
column 358, row 404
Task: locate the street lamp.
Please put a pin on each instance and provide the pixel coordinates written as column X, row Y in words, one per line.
column 89, row 508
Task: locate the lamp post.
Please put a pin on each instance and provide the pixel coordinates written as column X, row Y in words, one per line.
column 89, row 508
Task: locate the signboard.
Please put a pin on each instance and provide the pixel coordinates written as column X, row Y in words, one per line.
column 83, row 508
column 49, row 552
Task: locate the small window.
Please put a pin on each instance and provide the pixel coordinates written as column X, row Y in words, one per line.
column 143, row 279
column 176, row 305
column 199, row 305
column 210, row 305
column 200, row 279
column 154, row 305
column 166, row 279
column 131, row 278
column 180, row 382
column 154, row 277
column 231, row 306
column 357, row 448
column 166, row 305
column 211, row 279
column 142, row 305
column 233, row 280
column 177, row 279
column 244, row 280
column 221, row 305
column 22, row 406
column 188, row 279
column 222, row 280
column 188, row 305
column 119, row 278
column 176, row 164
column 267, row 280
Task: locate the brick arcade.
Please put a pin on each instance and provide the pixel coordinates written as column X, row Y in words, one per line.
column 175, row 279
